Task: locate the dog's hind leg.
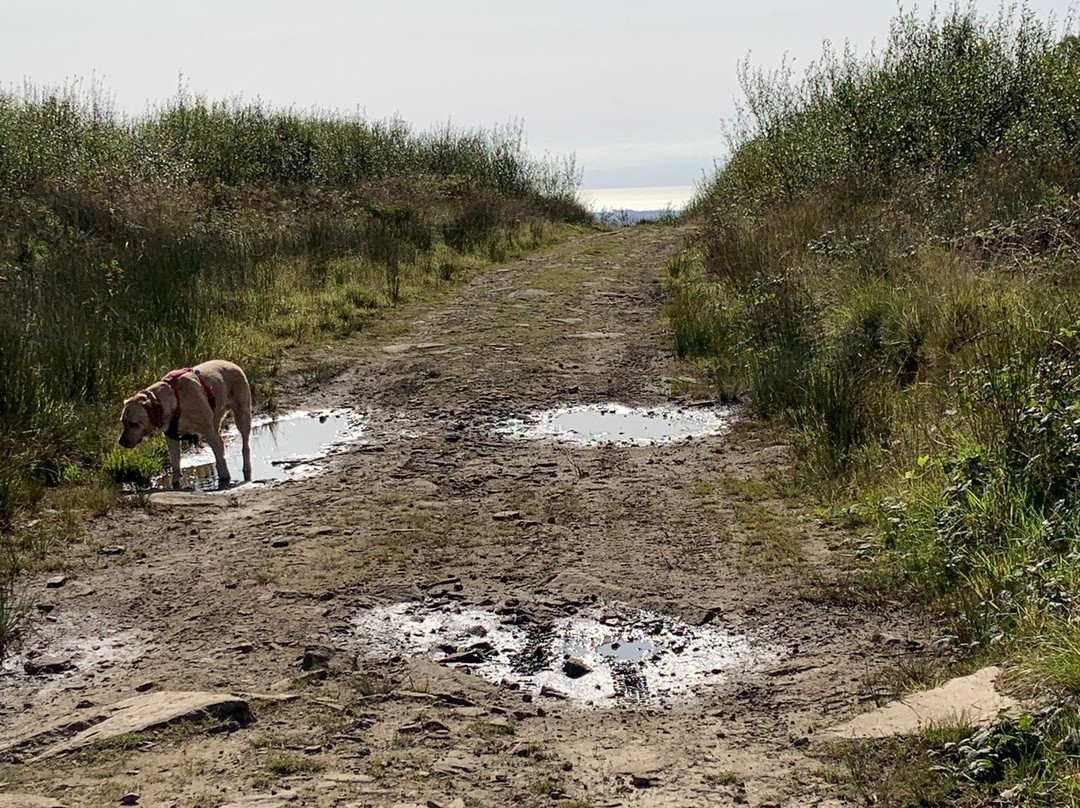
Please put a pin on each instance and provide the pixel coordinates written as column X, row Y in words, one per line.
column 242, row 417
column 174, row 459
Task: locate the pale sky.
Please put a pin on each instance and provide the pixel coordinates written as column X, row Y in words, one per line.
column 637, row 89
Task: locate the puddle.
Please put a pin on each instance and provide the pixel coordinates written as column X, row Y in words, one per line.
column 84, row 648
column 592, row 424
column 607, row 656
column 287, row 447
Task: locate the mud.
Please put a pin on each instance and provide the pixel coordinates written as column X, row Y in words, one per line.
column 607, row 554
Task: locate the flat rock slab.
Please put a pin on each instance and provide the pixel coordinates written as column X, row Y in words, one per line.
column 973, row 698
column 596, row 335
column 151, row 710
column 529, row 293
column 27, row 801
column 262, row 801
column 188, row 499
column 405, row 347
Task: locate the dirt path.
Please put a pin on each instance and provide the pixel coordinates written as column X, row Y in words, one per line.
column 227, row 598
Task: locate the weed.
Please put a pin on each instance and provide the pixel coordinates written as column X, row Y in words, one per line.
column 13, row 607
column 109, row 749
column 546, row 787
column 285, row 764
column 724, row 778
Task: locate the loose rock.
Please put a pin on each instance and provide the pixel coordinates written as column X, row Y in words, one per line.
column 48, row 664
column 575, row 668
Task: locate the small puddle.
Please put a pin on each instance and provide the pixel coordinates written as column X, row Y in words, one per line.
column 287, row 447
column 592, row 424
column 606, row 656
column 73, row 651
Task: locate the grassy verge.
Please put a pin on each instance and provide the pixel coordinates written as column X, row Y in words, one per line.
column 887, row 265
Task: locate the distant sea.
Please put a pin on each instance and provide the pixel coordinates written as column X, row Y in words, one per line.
column 638, row 203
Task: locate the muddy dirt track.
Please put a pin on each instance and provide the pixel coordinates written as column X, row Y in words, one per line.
column 433, row 508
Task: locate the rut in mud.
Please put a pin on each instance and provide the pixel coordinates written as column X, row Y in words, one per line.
column 455, row 612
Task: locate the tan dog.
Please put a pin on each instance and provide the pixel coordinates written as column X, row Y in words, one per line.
column 192, row 401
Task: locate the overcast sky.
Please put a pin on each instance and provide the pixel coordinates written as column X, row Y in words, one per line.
column 638, row 90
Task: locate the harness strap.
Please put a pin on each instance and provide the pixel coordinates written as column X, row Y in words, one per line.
column 206, row 388
column 171, row 380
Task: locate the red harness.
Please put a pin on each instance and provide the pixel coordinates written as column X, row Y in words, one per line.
column 173, row 375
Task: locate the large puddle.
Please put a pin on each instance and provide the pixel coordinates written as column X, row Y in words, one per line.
column 287, row 447
column 606, row 656
column 591, row 424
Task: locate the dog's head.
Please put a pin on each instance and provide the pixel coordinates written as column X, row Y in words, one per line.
column 141, row 416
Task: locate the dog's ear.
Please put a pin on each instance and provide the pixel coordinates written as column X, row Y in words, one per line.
column 153, row 408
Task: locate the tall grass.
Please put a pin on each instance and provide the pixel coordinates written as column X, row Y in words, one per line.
column 889, row 265
column 132, row 245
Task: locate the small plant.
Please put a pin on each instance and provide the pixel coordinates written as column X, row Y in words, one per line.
column 285, row 764
column 139, row 465
column 13, row 609
column 547, row 787
column 110, row 748
column 724, row 778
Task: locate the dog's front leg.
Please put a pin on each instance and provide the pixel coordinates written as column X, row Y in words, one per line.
column 174, row 459
column 214, row 439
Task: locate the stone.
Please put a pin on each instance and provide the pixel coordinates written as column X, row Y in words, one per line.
column 552, row 693
column 506, row 516
column 574, row 668
column 130, row 799
column 28, row 801
column 145, row 712
column 56, row 581
column 262, row 801
column 344, row 777
column 48, row 664
column 974, row 699
column 279, row 543
column 112, row 550
column 525, row 294
column 316, row 657
column 189, row 499
column 454, row 763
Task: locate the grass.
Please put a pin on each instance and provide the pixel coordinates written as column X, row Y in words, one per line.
column 886, row 267
column 285, row 764
column 13, row 608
